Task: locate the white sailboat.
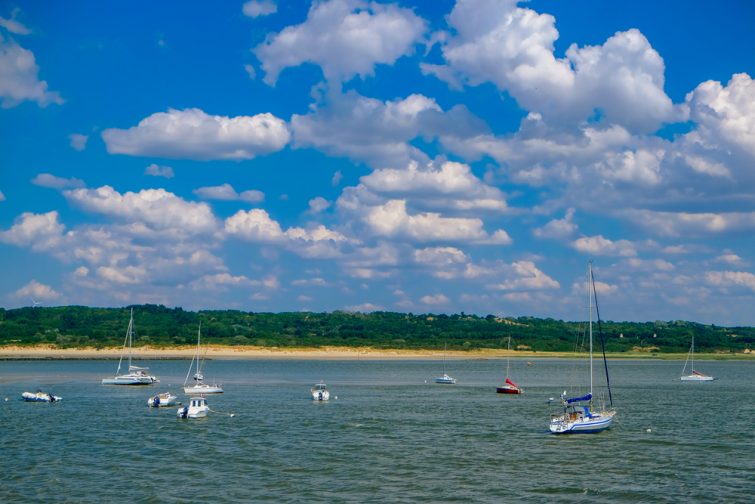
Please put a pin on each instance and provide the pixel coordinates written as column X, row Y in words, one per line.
column 136, row 375
column 445, row 379
column 578, row 415
column 694, row 375
column 199, row 386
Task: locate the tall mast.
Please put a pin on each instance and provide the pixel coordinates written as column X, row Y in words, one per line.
column 692, row 353
column 130, row 336
column 589, row 302
column 508, row 350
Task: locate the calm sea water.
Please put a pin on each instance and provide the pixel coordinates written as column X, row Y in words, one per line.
column 390, row 436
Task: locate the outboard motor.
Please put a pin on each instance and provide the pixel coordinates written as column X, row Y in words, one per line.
column 319, row 395
column 184, row 412
column 155, row 401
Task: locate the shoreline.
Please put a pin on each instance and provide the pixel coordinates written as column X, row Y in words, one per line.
column 47, row 352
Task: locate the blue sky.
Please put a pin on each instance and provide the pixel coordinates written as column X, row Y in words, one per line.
column 344, row 155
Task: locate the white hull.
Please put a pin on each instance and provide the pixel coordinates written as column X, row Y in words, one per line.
column 203, row 389
column 40, row 397
column 162, row 400
column 445, row 380
column 130, row 380
column 321, row 395
column 573, row 424
column 197, row 408
column 697, row 377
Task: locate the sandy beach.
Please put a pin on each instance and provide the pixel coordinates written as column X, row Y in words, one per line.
column 11, row 352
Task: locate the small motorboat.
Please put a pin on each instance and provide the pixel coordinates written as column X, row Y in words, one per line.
column 197, row 408
column 320, row 392
column 162, row 400
column 40, row 396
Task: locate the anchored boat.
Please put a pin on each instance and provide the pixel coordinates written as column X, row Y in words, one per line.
column 581, row 414
column 136, row 375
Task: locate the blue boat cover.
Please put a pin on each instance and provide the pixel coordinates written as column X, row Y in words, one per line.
column 577, row 399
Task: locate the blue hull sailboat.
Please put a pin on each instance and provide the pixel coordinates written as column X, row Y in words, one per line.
column 579, row 414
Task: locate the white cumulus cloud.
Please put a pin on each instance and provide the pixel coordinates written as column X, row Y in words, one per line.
column 344, row 37
column 53, row 182
column 155, row 208
column 259, row 8
column 19, row 80
column 194, row 134
column 36, row 291
column 228, row 193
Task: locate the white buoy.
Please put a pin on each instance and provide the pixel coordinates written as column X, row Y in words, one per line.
column 648, row 430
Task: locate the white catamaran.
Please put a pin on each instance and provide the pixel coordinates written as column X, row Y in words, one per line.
column 136, row 375
column 578, row 415
column 199, row 386
column 694, row 375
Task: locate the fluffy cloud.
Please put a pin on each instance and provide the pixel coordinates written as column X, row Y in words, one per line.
column 193, row 134
column 19, row 79
column 53, row 182
column 558, row 228
column 393, row 221
column 259, row 8
column 78, row 141
column 451, row 185
column 376, row 132
column 155, row 170
column 525, row 275
column 726, row 115
column 692, row 224
column 598, row 245
column 156, row 208
column 727, row 279
column 36, row 291
column 226, row 192
column 256, row 225
column 435, row 300
column 38, row 231
column 513, row 48
column 318, row 204
column 344, row 37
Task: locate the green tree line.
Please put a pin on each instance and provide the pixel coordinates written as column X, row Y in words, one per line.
column 157, row 325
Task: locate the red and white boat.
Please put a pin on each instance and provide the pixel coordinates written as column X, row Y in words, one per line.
column 509, row 387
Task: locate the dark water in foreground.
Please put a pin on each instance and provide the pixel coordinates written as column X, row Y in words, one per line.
column 389, row 437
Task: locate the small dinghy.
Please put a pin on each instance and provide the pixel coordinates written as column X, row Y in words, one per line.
column 197, row 408
column 40, row 396
column 162, row 400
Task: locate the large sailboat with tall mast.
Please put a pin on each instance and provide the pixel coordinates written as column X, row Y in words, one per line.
column 136, row 375
column 582, row 414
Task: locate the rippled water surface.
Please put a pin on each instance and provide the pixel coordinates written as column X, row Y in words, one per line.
column 390, row 436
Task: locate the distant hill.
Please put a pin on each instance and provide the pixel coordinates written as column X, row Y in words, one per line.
column 78, row 326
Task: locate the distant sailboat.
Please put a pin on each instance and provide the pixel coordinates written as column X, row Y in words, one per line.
column 509, row 387
column 136, row 375
column 694, row 375
column 199, row 387
column 578, row 415
column 445, row 379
